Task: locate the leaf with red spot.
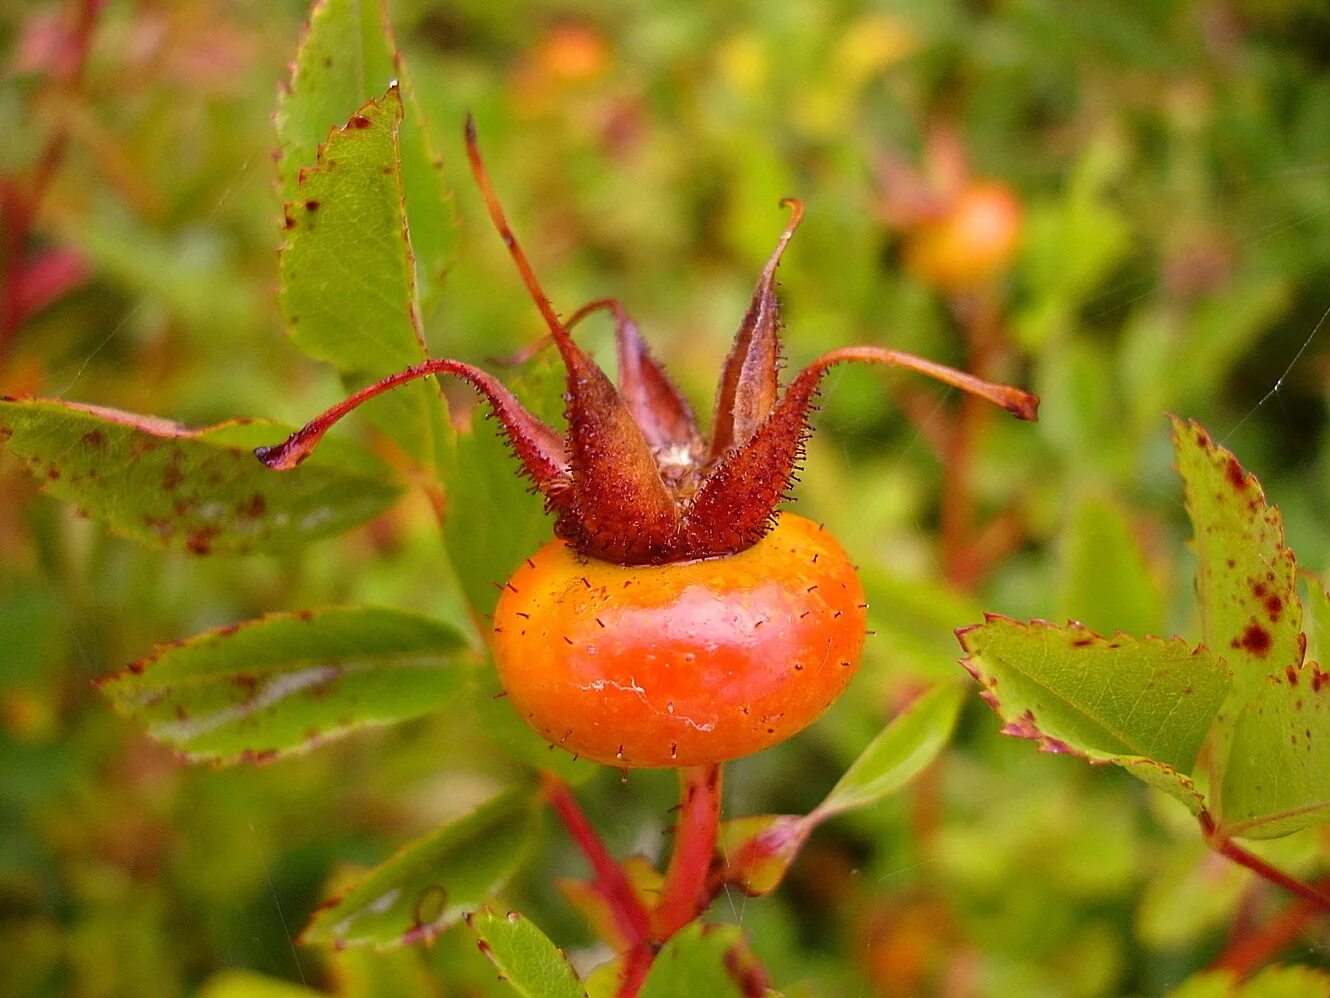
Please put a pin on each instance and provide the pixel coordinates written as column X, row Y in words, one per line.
column 1271, row 753
column 1246, row 578
column 1250, row 693
column 349, row 274
column 287, row 682
column 1276, row 773
column 347, row 57
column 196, row 490
column 1141, row 703
column 431, row 883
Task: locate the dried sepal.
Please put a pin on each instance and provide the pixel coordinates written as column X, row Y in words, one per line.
column 749, row 380
column 621, row 509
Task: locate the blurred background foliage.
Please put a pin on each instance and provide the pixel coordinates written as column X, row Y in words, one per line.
column 1171, row 166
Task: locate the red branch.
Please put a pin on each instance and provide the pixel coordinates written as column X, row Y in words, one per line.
column 1226, row 847
column 636, row 963
column 685, row 894
column 1255, row 949
column 629, row 913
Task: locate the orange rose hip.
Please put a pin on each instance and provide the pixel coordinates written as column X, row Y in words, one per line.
column 684, row 663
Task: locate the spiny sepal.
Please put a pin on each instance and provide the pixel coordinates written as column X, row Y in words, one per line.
column 632, row 480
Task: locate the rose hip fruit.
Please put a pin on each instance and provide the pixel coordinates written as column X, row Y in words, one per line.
column 683, row 663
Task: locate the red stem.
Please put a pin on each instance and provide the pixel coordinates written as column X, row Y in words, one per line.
column 1226, row 847
column 629, row 913
column 1253, row 950
column 635, row 966
column 685, row 894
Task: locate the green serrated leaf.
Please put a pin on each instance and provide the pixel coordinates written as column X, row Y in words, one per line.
column 348, row 280
column 528, row 961
column 197, row 490
column 1144, row 704
column 347, row 57
column 1246, row 579
column 287, row 682
column 1106, row 583
column 896, row 756
column 694, row 962
column 429, row 884
column 1271, row 763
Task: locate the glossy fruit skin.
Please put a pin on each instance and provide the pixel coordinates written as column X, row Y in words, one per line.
column 686, row 663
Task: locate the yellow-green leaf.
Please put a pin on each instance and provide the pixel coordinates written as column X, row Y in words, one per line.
column 909, row 743
column 1141, row 703
column 287, row 682
column 348, row 274
column 347, row 57
column 1245, row 576
column 197, row 490
column 429, row 884
column 695, row 961
column 530, row 964
column 1276, row 776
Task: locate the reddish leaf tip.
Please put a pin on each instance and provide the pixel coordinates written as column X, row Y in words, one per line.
column 286, row 455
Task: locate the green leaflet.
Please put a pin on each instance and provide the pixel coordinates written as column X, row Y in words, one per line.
column 900, row 753
column 1276, row 777
column 197, row 490
column 429, row 884
column 1271, row 763
column 1250, row 690
column 1145, row 704
column 1245, row 577
column 347, row 58
column 348, row 274
column 758, row 850
column 287, row 682
column 531, row 964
